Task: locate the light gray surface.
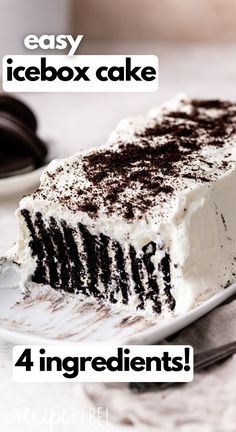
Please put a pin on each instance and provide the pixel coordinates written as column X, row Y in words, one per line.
column 206, row 404
column 73, row 121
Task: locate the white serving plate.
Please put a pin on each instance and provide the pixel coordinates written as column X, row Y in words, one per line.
column 20, row 183
column 48, row 316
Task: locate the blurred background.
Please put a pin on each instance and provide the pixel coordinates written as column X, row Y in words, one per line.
column 161, row 20
column 172, row 21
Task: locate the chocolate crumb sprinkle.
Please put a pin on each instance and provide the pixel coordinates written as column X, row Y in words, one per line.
column 129, row 178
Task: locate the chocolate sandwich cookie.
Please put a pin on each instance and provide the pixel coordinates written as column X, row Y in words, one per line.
column 21, row 149
column 18, row 110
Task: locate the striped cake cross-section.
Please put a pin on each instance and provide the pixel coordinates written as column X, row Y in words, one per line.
column 78, row 261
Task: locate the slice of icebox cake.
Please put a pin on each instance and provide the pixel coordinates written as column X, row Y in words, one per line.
column 146, row 222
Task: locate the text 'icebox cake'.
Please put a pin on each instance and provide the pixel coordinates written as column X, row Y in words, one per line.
column 147, row 221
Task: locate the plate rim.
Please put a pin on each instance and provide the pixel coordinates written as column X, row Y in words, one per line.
column 191, row 316
column 9, row 186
